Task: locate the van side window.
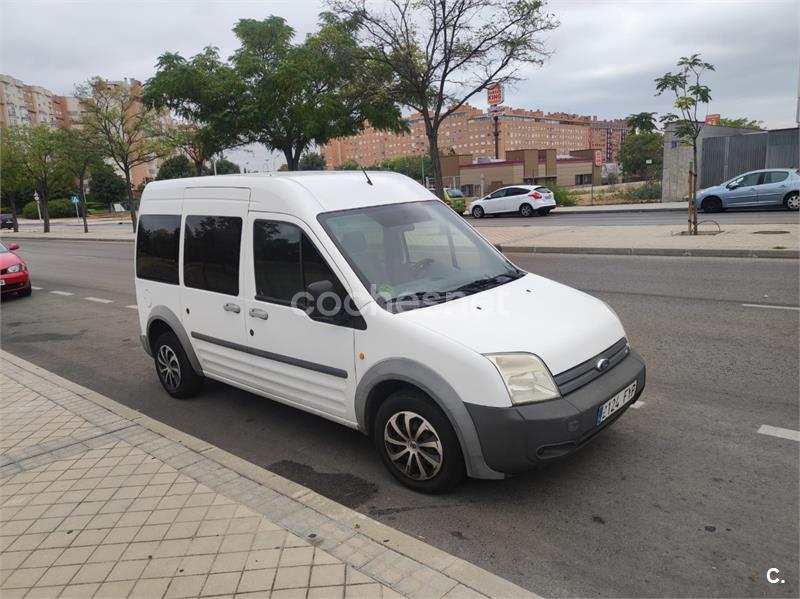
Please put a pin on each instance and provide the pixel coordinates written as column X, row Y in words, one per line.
column 286, row 262
column 157, row 244
column 211, row 250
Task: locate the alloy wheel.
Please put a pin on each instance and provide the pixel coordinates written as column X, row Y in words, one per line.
column 169, row 368
column 413, row 445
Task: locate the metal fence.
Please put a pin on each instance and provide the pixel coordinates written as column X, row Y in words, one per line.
column 727, row 156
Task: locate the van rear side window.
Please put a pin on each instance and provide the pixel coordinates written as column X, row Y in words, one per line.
column 157, row 244
column 211, row 249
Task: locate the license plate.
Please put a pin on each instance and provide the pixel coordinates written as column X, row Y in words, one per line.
column 616, row 402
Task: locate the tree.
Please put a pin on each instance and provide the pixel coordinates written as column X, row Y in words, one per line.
column 443, row 52
column 175, row 167
column 349, row 165
column 641, row 122
column 36, row 151
column 226, row 167
column 14, row 181
column 107, row 186
column 741, row 123
column 312, row 161
column 272, row 91
column 197, row 142
column 689, row 94
column 78, row 153
column 411, row 166
column 128, row 133
column 637, row 149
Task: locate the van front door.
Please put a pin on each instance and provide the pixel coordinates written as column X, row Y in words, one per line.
column 212, row 306
column 297, row 359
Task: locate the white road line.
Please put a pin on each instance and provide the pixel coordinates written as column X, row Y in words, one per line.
column 99, row 300
column 62, row 293
column 637, row 405
column 35, row 288
column 783, row 433
column 768, row 306
column 133, row 307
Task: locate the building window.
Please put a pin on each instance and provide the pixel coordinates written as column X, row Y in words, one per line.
column 583, row 179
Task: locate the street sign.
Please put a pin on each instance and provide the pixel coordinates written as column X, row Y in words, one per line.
column 495, row 109
column 36, row 196
column 494, row 94
column 712, row 119
column 75, row 199
column 598, row 158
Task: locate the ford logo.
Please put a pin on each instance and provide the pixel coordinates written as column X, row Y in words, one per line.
column 602, row 364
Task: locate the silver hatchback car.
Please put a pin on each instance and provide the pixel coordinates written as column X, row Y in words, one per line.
column 767, row 187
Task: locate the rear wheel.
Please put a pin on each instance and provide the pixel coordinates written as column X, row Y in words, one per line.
column 792, row 201
column 526, row 210
column 712, row 205
column 174, row 369
column 477, row 212
column 417, row 443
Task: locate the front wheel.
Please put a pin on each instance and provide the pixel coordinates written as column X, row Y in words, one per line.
column 712, row 205
column 417, row 443
column 792, row 202
column 477, row 212
column 173, row 368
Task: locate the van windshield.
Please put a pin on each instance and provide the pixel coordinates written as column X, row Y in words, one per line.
column 416, row 254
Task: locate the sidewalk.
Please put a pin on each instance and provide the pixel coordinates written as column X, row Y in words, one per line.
column 100, row 501
column 641, row 207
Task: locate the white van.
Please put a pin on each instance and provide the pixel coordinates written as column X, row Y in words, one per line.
column 362, row 298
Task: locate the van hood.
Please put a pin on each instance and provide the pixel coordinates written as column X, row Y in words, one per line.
column 561, row 325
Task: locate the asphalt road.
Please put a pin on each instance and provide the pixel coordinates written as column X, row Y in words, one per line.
column 645, row 217
column 681, row 497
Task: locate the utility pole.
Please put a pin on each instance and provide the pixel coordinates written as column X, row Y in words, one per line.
column 496, row 137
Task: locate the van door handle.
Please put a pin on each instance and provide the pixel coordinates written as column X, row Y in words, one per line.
column 232, row 308
column 258, row 313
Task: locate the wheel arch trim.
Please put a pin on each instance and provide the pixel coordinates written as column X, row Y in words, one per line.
column 440, row 391
column 167, row 316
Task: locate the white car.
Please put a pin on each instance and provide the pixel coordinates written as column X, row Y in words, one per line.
column 525, row 200
column 364, row 299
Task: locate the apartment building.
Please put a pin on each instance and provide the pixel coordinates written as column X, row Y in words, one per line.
column 470, row 130
column 23, row 104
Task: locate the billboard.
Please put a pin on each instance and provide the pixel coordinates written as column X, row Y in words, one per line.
column 712, row 119
column 494, row 94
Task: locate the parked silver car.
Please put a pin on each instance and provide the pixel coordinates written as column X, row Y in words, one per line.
column 767, row 187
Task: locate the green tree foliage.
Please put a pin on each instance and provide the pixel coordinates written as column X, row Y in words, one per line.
column 441, row 53
column 741, row 123
column 284, row 95
column 15, row 184
column 226, row 167
column 349, row 165
column 690, row 93
column 128, row 133
column 79, row 153
column 175, row 167
column 311, row 161
column 411, row 166
column 641, row 122
column 637, row 149
column 107, row 186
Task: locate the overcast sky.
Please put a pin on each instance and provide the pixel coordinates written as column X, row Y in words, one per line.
column 605, row 54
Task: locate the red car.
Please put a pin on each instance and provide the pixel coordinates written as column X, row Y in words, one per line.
column 14, row 277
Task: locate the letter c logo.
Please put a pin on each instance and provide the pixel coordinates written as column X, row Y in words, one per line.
column 775, row 579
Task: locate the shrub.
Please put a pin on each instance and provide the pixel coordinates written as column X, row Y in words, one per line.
column 30, row 211
column 649, row 191
column 57, row 208
column 562, row 196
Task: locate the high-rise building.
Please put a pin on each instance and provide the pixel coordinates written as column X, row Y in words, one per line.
column 22, row 104
column 470, row 130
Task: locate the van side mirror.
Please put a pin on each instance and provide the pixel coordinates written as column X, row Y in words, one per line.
column 325, row 304
column 13, row 247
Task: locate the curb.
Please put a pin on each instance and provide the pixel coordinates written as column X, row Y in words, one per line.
column 457, row 569
column 60, row 237
column 675, row 252
column 604, row 210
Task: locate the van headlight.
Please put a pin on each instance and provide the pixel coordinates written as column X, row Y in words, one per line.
column 525, row 376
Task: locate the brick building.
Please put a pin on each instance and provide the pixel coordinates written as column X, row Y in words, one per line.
column 470, row 130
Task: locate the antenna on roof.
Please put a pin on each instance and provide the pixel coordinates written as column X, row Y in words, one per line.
column 363, row 170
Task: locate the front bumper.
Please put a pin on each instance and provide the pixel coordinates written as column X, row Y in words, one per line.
column 14, row 282
column 519, row 437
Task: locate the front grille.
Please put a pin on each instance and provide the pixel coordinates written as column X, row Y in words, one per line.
column 585, row 372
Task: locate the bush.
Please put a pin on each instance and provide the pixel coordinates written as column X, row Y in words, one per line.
column 649, row 191
column 57, row 208
column 562, row 196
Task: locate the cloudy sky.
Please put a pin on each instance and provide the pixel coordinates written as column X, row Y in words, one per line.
column 605, row 53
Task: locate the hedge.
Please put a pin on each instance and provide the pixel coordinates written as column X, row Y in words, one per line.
column 57, row 209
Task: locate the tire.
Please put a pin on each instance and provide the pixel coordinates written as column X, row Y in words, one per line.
column 410, row 408
column 174, row 369
column 526, row 210
column 792, row 201
column 712, row 204
column 543, row 211
column 26, row 292
column 477, row 212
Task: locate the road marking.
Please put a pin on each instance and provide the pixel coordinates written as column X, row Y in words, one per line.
column 35, row 288
column 133, row 307
column 99, row 300
column 770, row 307
column 637, row 405
column 783, row 433
column 62, row 293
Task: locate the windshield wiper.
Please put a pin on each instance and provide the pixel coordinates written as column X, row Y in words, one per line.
column 427, row 297
column 488, row 282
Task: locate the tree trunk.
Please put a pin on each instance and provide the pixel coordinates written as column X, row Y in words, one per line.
column 436, row 163
column 292, row 160
column 44, row 208
column 198, row 168
column 130, row 198
column 693, row 209
column 12, row 197
column 83, row 205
